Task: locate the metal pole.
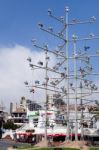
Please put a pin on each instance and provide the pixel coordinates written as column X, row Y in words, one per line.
column 46, row 97
column 75, row 78
column 81, row 112
column 67, row 72
column 81, row 104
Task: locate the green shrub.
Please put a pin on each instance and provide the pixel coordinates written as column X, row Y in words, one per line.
column 10, row 125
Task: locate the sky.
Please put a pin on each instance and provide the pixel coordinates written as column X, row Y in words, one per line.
column 19, row 24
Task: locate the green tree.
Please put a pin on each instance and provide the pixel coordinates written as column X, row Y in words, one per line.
column 10, row 125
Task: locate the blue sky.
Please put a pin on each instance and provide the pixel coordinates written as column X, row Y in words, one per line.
column 19, row 18
column 19, row 24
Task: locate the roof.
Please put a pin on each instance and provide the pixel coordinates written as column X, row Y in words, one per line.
column 20, row 110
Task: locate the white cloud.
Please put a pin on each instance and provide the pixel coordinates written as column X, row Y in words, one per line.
column 14, row 70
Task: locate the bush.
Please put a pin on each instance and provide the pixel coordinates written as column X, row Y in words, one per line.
column 10, row 125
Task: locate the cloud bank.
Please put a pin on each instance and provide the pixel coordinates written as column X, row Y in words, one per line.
column 14, row 70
